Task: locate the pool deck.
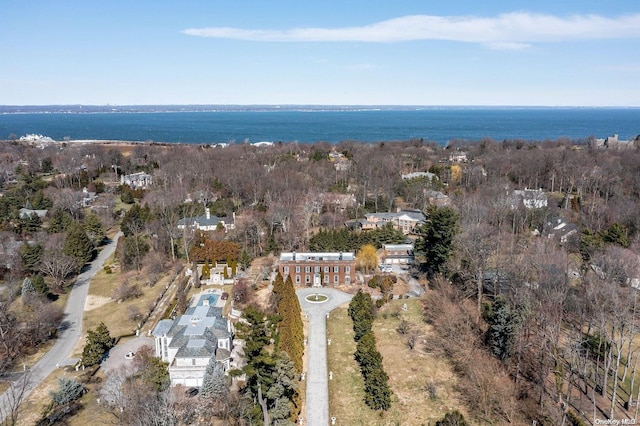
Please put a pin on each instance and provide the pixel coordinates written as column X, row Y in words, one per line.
column 213, row 292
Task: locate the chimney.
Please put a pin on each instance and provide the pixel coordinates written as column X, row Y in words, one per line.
column 207, row 213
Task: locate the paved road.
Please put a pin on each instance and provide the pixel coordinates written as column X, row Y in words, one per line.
column 68, row 337
column 317, row 413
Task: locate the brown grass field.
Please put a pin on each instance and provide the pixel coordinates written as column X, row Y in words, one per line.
column 409, row 371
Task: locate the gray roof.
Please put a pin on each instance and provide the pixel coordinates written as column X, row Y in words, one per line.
column 204, row 221
column 195, row 333
column 24, row 212
column 304, row 257
column 162, row 328
column 416, row 215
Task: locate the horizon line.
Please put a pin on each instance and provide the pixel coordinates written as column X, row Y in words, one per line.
column 286, row 105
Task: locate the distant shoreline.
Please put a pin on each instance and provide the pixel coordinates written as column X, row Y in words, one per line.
column 128, row 109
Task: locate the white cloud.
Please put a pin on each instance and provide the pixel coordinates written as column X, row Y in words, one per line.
column 511, row 30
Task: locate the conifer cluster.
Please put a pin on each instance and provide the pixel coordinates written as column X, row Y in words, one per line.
column 291, row 332
column 376, row 381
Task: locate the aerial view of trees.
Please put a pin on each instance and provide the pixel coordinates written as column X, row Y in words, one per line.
column 529, row 249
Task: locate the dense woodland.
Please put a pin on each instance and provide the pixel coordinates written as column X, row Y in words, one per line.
column 538, row 325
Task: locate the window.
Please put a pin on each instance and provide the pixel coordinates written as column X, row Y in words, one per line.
column 307, row 269
column 297, row 279
column 336, row 269
column 316, row 269
column 347, row 279
column 326, row 279
column 285, row 270
column 297, row 269
column 307, row 279
column 335, row 279
column 326, row 269
column 347, row 269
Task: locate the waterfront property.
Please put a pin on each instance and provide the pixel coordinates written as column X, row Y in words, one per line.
column 318, row 269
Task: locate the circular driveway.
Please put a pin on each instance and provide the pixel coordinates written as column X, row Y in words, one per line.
column 117, row 354
column 317, row 406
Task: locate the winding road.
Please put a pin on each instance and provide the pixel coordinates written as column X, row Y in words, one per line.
column 69, row 335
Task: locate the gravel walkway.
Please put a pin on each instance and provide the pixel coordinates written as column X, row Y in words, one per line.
column 317, row 404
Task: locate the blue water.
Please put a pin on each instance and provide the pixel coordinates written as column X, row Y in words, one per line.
column 431, row 124
column 213, row 299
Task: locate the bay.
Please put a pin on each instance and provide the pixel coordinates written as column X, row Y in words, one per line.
column 437, row 124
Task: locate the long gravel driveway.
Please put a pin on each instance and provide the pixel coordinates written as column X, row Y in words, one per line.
column 317, row 403
column 70, row 333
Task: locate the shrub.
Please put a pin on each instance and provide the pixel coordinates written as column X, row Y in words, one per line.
column 68, row 390
column 126, row 291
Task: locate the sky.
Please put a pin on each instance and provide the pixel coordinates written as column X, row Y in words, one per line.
column 330, row 52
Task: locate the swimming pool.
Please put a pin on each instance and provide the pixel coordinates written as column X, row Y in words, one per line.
column 208, row 300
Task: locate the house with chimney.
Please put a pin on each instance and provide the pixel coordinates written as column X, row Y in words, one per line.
column 188, row 342
column 140, row 180
column 208, row 222
column 318, row 269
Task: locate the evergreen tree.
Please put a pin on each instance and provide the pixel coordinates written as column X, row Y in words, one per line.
column 59, row 221
column 453, row 418
column 31, row 255
column 68, row 391
column 94, row 229
column 377, row 393
column 504, row 323
column 126, row 196
column 282, row 395
column 291, row 329
column 272, row 244
column 78, row 245
column 30, row 223
column 244, row 259
column 361, row 313
column 437, row 238
column 206, row 271
column 135, row 219
column 27, row 288
column 99, row 342
column 39, row 285
column 215, row 384
column 156, row 374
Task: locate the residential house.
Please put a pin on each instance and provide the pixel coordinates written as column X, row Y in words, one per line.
column 403, row 220
column 529, row 198
column 140, row 180
column 613, row 142
column 397, row 254
column 26, row 212
column 458, row 157
column 417, row 175
column 561, row 230
column 318, row 269
column 189, row 341
column 437, row 198
column 341, row 202
column 208, row 222
column 88, row 197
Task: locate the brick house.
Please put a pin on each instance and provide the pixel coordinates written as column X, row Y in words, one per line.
column 318, row 269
